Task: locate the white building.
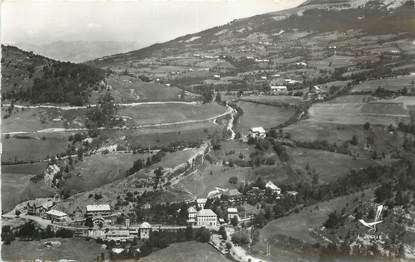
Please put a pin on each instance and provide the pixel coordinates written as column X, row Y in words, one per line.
column 257, row 132
column 56, row 216
column 191, row 211
column 232, row 212
column 201, row 202
column 98, row 210
column 145, row 230
column 207, row 218
column 273, row 187
column 279, row 89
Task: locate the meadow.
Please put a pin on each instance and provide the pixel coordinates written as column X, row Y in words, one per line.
column 127, row 89
column 33, row 147
column 16, row 186
column 392, row 84
column 169, row 113
column 273, row 100
column 100, row 169
column 290, row 236
column 73, row 249
column 262, row 115
column 186, row 252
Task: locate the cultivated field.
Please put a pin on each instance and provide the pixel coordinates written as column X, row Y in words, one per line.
column 359, row 113
column 186, row 252
column 393, row 84
column 71, row 249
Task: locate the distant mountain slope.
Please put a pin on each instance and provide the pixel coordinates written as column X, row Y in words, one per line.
column 315, row 16
column 38, row 79
column 79, row 51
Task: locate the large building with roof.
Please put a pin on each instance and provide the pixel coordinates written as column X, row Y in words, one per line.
column 98, row 210
column 206, row 218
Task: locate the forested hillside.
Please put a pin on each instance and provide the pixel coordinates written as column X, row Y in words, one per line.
column 37, row 79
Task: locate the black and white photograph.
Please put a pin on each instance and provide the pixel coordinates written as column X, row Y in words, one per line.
column 207, row 130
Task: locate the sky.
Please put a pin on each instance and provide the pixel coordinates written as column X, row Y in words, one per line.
column 142, row 21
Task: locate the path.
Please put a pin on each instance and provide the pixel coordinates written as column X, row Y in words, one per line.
column 94, row 105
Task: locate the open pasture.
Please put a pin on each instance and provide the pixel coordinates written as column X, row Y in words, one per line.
column 97, row 170
column 262, row 115
column 127, row 89
column 169, row 113
column 383, row 141
column 72, row 249
column 287, row 234
column 186, row 252
column 14, row 180
column 333, row 166
column 16, row 186
column 165, row 136
column 33, row 147
column 35, row 119
column 273, row 100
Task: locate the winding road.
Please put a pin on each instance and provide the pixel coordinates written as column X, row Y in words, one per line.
column 61, row 129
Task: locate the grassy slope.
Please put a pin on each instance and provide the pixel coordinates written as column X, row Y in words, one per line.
column 287, row 234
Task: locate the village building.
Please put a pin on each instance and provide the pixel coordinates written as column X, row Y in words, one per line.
column 98, row 210
column 257, row 132
column 276, row 90
column 145, row 230
column 273, row 187
column 232, row 212
column 201, row 202
column 191, row 211
column 56, row 216
column 39, row 208
column 207, row 218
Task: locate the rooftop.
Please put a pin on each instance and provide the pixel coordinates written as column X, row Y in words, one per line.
column 258, row 129
column 191, row 210
column 201, row 200
column 145, row 225
column 92, row 208
column 232, row 210
column 56, row 213
column 206, row 212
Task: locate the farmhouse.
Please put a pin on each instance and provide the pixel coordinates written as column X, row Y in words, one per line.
column 56, row 216
column 206, row 218
column 257, row 132
column 273, row 187
column 98, row 210
column 278, row 90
